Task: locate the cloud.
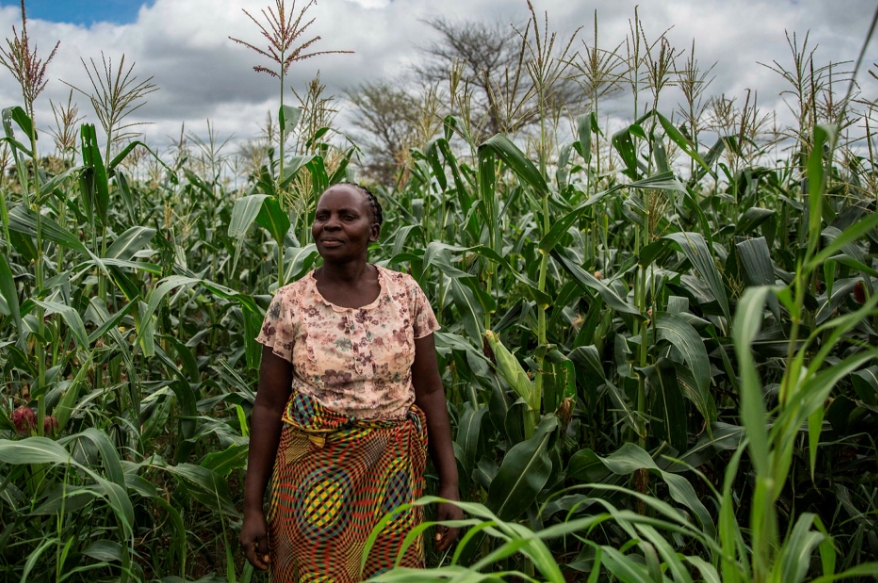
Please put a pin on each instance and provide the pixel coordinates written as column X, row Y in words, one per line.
column 184, row 46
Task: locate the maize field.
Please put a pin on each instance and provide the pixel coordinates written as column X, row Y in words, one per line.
column 658, row 339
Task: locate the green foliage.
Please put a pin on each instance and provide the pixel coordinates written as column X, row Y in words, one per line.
column 653, row 374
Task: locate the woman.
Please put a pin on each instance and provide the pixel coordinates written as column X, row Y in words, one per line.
column 349, row 391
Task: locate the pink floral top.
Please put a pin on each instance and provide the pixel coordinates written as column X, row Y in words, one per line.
column 355, row 361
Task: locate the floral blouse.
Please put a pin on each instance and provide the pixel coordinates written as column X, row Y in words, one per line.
column 355, row 361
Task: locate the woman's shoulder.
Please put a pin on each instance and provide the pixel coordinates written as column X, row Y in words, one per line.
column 291, row 290
column 397, row 279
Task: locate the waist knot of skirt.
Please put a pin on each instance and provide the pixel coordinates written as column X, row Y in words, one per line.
column 334, row 478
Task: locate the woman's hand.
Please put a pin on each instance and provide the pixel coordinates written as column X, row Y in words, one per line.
column 275, row 380
column 254, row 539
column 445, row 535
column 430, row 397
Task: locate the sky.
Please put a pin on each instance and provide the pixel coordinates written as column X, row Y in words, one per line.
column 82, row 12
column 184, row 46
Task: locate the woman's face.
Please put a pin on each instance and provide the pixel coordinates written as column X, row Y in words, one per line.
column 343, row 224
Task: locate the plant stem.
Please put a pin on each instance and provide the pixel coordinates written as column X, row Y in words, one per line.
column 38, row 265
column 282, row 138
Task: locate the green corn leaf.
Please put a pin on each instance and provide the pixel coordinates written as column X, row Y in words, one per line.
column 223, row 462
column 71, row 318
column 130, row 242
column 670, row 411
column 516, row 418
column 158, row 293
column 584, row 126
column 624, row 568
column 205, row 485
column 696, row 250
column 10, row 296
column 111, row 462
column 131, row 204
column 866, row 385
column 469, row 308
column 244, row 213
column 252, row 349
column 65, row 407
column 861, row 570
column 589, row 282
column 120, row 157
column 678, row 138
column 431, row 153
column 812, row 394
column 273, row 219
column 33, row 450
column 23, row 221
column 630, row 457
column 523, row 473
column 93, row 162
column 668, row 554
column 314, row 165
column 41, row 450
column 515, row 159
column 35, row 556
column 824, row 135
column 187, row 359
column 198, row 183
column 588, row 358
column 18, row 115
column 104, row 550
column 559, row 380
column 468, row 433
column 752, row 218
column 288, row 118
column 708, row 572
column 298, row 261
column 623, row 143
column 689, row 344
column 795, row 554
column 747, row 324
column 755, row 260
column 851, row 234
column 55, row 183
column 340, row 173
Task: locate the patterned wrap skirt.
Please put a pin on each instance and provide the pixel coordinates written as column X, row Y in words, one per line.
column 334, row 478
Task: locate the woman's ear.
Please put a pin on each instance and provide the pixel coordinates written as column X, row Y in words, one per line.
column 375, row 233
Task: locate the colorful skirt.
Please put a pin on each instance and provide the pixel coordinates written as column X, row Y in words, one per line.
column 334, row 478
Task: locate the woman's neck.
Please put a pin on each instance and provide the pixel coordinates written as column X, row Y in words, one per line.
column 348, row 286
column 348, row 273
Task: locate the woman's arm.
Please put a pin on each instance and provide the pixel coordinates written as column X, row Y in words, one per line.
column 275, row 382
column 430, row 397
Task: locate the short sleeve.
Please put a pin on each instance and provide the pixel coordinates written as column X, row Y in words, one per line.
column 424, row 320
column 278, row 328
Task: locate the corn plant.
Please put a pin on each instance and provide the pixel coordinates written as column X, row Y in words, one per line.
column 658, row 353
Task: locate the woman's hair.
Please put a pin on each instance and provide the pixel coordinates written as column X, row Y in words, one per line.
column 377, row 212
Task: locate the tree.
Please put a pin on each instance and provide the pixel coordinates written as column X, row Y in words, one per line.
column 485, row 56
column 388, row 115
column 491, row 65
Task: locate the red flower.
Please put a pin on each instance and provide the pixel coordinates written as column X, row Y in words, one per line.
column 24, row 420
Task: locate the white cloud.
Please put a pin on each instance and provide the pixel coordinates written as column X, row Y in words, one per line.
column 184, row 45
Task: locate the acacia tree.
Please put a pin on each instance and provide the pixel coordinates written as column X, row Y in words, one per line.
column 492, row 61
column 387, row 115
column 485, row 53
column 481, row 71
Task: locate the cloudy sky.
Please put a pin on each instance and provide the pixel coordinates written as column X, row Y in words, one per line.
column 203, row 75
